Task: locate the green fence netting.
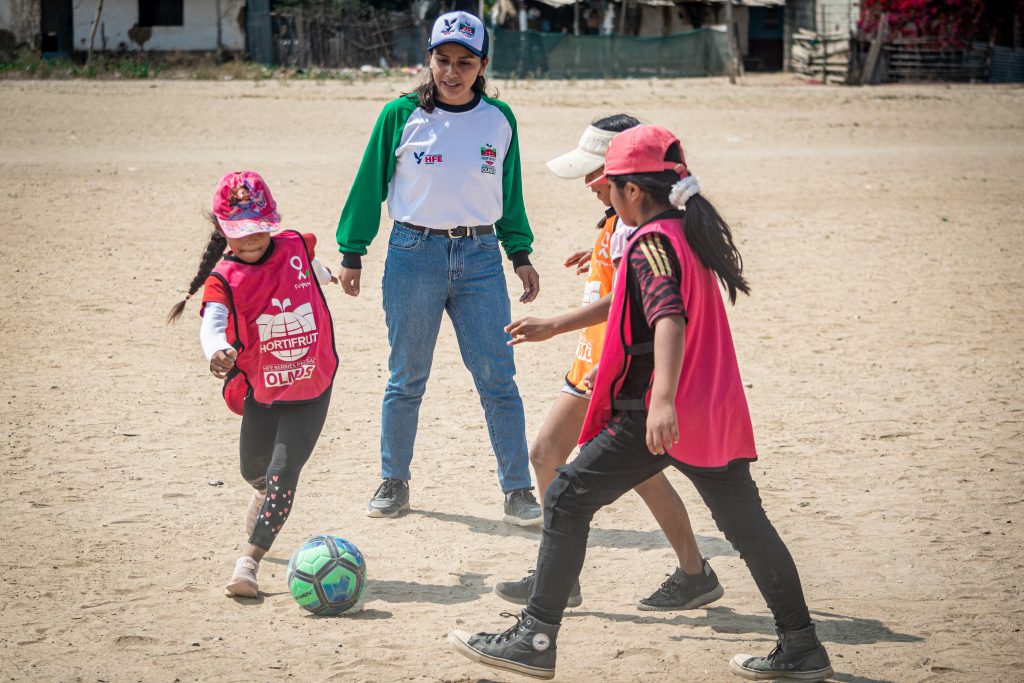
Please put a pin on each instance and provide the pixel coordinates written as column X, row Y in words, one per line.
column 559, row 55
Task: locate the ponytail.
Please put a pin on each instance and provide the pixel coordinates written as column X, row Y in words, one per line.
column 709, row 236
column 211, row 255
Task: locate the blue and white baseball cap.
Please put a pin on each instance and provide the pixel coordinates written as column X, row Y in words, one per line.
column 462, row 28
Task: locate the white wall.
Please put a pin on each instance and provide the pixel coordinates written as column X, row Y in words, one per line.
column 840, row 16
column 21, row 18
column 198, row 33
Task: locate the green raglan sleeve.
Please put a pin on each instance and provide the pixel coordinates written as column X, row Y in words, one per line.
column 360, row 218
column 513, row 227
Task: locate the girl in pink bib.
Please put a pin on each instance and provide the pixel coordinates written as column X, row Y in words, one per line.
column 667, row 394
column 268, row 334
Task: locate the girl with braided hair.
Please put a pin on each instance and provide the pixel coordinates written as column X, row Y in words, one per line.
column 267, row 333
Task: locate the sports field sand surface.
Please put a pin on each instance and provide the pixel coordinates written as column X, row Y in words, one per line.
column 882, row 350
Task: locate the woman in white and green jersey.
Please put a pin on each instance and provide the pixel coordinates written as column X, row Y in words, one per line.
column 446, row 160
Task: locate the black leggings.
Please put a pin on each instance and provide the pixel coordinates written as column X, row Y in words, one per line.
column 611, row 464
column 274, row 445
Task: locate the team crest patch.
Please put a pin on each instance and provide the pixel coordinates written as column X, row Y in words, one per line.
column 467, row 30
column 449, row 27
column 488, row 154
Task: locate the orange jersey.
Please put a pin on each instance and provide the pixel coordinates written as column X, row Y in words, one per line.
column 599, row 285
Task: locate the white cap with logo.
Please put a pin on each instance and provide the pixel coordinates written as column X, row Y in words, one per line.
column 462, row 28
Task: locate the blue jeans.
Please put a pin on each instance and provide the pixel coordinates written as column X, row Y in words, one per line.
column 423, row 276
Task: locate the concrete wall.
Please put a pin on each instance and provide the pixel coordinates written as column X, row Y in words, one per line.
column 199, row 32
column 19, row 22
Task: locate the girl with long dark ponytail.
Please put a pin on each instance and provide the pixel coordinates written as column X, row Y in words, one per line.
column 668, row 393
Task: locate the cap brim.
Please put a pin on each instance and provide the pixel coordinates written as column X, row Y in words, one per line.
column 250, row 226
column 463, row 43
column 575, row 164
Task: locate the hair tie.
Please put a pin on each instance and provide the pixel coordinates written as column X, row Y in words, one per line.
column 683, row 190
column 187, row 297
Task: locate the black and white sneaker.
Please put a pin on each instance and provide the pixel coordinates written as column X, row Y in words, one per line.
column 519, row 592
column 527, row 648
column 522, row 509
column 798, row 656
column 683, row 591
column 390, row 500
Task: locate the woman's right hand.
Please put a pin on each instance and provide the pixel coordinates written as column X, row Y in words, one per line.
column 580, row 259
column 530, row 330
column 222, row 361
column 350, row 280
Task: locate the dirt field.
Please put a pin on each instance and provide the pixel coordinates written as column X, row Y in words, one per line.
column 882, row 348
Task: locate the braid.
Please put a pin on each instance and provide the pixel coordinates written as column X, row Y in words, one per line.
column 214, row 250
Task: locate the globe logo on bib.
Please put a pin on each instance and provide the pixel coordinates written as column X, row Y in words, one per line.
column 287, row 335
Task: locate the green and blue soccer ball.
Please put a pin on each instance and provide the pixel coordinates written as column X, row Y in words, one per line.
column 327, row 576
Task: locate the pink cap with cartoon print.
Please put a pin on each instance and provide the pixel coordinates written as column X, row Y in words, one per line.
column 244, row 206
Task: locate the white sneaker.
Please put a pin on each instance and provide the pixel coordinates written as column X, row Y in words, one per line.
column 253, row 511
column 243, row 581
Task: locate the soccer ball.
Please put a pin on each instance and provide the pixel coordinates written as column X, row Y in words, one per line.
column 327, row 575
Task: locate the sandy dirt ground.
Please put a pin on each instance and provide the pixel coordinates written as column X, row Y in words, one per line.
column 882, row 350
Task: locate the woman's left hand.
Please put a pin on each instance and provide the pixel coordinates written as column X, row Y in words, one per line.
column 531, row 283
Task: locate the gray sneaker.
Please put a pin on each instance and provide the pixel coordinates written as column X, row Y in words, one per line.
column 390, row 500
column 798, row 656
column 522, row 509
column 683, row 591
column 519, row 592
column 527, row 648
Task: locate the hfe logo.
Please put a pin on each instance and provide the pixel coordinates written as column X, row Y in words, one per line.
column 428, row 159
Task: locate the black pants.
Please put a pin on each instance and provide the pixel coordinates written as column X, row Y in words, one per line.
column 608, row 466
column 274, row 445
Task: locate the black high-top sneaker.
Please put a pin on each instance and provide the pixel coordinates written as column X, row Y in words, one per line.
column 527, row 648
column 798, row 656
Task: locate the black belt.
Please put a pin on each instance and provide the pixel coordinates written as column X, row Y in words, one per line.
column 460, row 231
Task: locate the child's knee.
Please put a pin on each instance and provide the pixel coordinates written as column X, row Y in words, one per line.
column 566, row 507
column 542, row 456
column 259, row 483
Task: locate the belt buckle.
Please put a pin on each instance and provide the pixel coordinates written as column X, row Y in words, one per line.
column 452, row 235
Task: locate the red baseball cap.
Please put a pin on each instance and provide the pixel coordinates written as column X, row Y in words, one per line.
column 642, row 149
column 244, row 206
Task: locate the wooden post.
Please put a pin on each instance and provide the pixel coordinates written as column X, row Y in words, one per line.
column 731, row 40
column 220, row 34
column 823, row 36
column 92, row 32
column 868, row 75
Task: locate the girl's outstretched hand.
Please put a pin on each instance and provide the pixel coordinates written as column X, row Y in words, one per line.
column 580, row 259
column 529, row 330
column 350, row 280
column 531, row 283
column 222, row 362
column 662, row 426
